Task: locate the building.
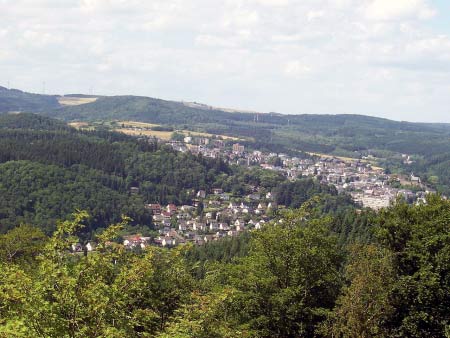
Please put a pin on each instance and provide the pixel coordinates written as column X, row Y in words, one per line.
column 238, row 149
column 155, row 208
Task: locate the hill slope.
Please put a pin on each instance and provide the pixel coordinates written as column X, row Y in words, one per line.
column 47, row 173
column 31, row 121
column 12, row 100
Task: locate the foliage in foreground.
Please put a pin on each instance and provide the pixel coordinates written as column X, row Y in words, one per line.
column 295, row 280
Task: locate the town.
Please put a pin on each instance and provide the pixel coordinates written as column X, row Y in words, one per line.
column 216, row 214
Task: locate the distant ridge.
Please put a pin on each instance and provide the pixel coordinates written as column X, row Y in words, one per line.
column 17, row 100
column 316, row 133
column 208, row 107
column 144, row 108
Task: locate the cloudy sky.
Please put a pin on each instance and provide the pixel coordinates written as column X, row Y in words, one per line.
column 388, row 58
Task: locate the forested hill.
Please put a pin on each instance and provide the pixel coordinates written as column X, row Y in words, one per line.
column 12, row 100
column 340, row 134
column 349, row 132
column 47, row 173
column 147, row 109
column 31, row 121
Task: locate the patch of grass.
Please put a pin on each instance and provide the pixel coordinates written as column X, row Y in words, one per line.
column 75, row 101
column 164, row 135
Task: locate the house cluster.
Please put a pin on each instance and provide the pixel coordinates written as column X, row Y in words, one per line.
column 367, row 184
column 211, row 217
column 79, row 248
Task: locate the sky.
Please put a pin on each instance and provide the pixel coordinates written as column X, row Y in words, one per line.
column 387, row 58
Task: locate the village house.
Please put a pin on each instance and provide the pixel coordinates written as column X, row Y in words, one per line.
column 183, row 215
column 213, row 225
column 168, row 241
column 197, row 226
column 134, row 190
column 232, row 205
column 254, row 197
column 208, row 238
column 259, row 224
column 158, row 218
column 232, row 233
column 182, row 226
column 217, row 191
column 201, row 194
column 155, row 208
column 224, row 226
column 199, row 240
column 239, row 222
column 135, row 241
column 224, row 197
column 171, row 209
column 187, row 208
column 166, row 222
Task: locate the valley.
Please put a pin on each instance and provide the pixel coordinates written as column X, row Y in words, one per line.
column 173, row 215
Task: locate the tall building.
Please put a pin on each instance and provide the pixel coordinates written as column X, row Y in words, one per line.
column 237, row 148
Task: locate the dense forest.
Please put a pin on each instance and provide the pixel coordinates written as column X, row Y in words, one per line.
column 290, row 279
column 48, row 170
column 13, row 100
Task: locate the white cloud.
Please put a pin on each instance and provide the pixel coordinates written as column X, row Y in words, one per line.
column 40, row 38
column 399, row 9
column 313, row 15
column 296, row 68
column 275, row 3
column 215, row 41
column 241, row 18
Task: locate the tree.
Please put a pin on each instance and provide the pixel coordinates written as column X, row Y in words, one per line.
column 66, row 295
column 176, row 136
column 21, row 244
column 290, row 279
column 419, row 239
column 205, row 316
column 150, row 289
column 200, row 208
column 363, row 307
